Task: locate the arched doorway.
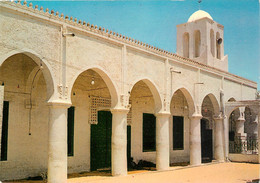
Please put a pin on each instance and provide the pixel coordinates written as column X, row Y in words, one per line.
column 210, row 109
column 145, row 102
column 232, row 130
column 206, row 140
column 28, row 85
column 181, row 107
column 243, row 131
column 92, row 100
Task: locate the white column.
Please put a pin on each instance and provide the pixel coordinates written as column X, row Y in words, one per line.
column 240, row 126
column 226, row 136
column 195, row 140
column 240, row 122
column 119, row 142
column 162, row 141
column 57, row 155
column 219, row 146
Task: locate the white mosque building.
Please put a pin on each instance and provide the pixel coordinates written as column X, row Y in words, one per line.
column 76, row 97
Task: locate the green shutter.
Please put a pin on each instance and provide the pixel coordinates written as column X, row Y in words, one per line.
column 4, row 131
column 100, row 155
column 70, row 129
column 178, row 132
column 128, row 143
column 149, row 132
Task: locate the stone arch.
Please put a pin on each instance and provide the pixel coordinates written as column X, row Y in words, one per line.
column 41, row 62
column 238, row 106
column 107, row 79
column 231, row 110
column 34, row 75
column 188, row 98
column 214, row 101
column 186, row 44
column 197, row 43
column 154, row 90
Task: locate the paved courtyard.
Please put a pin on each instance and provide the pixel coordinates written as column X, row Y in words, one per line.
column 208, row 173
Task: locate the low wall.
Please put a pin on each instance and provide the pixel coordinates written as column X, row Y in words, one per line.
column 250, row 158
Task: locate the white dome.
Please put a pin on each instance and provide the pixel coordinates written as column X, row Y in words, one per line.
column 199, row 15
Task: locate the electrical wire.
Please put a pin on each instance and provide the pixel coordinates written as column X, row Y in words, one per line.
column 30, row 110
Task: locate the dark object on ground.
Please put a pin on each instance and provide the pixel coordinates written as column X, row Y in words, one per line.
column 35, row 178
column 142, row 163
column 131, row 164
column 255, row 181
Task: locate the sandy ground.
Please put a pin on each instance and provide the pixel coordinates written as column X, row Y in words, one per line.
column 208, row 173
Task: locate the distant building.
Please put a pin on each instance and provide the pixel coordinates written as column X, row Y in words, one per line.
column 77, row 97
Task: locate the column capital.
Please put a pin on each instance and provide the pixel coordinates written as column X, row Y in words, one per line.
column 59, row 103
column 119, row 110
column 196, row 116
column 240, row 120
column 219, row 117
column 163, row 114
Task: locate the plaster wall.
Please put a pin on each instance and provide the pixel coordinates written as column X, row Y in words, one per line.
column 248, row 93
column 232, row 90
column 212, row 84
column 84, row 52
column 251, row 158
column 186, row 79
column 238, row 91
column 22, row 33
column 142, row 66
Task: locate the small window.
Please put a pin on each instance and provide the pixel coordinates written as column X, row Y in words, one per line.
column 149, row 130
column 197, row 43
column 4, row 131
column 186, row 45
column 218, row 46
column 212, row 43
column 70, row 129
column 178, row 131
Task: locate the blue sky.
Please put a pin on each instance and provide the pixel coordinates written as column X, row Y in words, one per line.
column 154, row 22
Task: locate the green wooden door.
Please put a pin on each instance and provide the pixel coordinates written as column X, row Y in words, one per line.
column 101, row 141
column 4, row 140
column 128, row 143
column 149, row 132
column 206, row 142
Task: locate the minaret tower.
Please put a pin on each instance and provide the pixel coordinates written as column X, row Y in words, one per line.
column 201, row 39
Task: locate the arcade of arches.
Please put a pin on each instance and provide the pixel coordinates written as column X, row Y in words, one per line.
column 98, row 100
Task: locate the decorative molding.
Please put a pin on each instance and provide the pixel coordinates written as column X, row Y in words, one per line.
column 60, row 90
column 97, row 103
column 105, row 33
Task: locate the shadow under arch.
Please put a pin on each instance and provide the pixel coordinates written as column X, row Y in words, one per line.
column 41, row 62
column 107, row 79
column 188, row 98
column 214, row 101
column 154, row 90
column 232, row 99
